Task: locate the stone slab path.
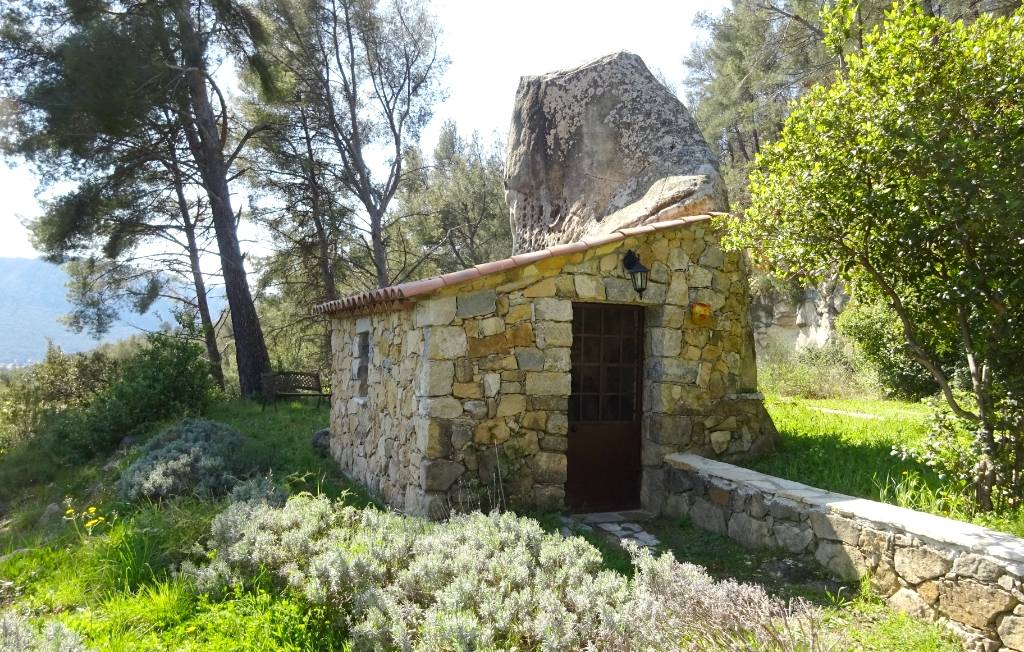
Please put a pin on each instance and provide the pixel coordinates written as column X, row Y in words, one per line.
column 619, row 527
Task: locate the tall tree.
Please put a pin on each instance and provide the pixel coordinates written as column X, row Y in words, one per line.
column 905, row 175
column 93, row 82
column 363, row 75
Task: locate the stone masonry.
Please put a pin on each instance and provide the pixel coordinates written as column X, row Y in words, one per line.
column 931, row 567
column 469, row 383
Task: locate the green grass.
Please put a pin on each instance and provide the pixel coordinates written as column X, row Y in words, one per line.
column 117, row 586
column 833, row 445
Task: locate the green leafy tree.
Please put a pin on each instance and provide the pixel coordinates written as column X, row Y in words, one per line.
column 458, row 203
column 905, row 175
column 98, row 88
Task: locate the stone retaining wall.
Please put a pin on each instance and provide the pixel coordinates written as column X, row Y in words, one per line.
column 932, row 567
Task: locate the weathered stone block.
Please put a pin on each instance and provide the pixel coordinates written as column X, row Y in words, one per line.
column 982, row 568
column 558, row 423
column 909, row 602
column 557, row 359
column 706, row 515
column 492, row 384
column 433, row 436
column 793, row 538
column 492, row 326
column 831, row 526
column 620, row 289
column 440, row 475
column 846, row 562
column 750, row 532
column 435, row 378
column 434, row 312
column 549, row 468
column 549, row 497
column 467, row 390
column 491, row 432
column 476, row 408
column 720, row 440
column 543, row 288
column 665, row 342
column 445, row 342
column 530, row 359
column 1011, row 632
column 588, row 287
column 973, row 603
column 554, row 443
column 551, row 333
column 511, row 404
column 442, row 407
column 918, row 564
column 547, row 383
column 551, row 309
column 476, row 304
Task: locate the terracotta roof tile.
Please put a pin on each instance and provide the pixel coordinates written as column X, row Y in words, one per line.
column 398, row 293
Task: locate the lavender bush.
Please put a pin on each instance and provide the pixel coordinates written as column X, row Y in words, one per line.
column 17, row 633
column 494, row 581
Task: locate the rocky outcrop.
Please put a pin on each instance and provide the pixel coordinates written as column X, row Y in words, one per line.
column 797, row 320
column 601, row 147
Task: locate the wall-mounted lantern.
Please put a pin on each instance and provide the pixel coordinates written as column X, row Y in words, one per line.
column 637, row 272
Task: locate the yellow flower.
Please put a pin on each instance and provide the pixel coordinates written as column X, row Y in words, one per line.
column 92, row 510
column 71, row 510
column 92, row 523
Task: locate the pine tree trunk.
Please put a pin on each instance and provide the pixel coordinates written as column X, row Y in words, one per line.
column 250, row 348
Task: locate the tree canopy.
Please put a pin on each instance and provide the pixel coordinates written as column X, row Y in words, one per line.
column 906, row 175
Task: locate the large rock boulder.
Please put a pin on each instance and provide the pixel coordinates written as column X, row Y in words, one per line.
column 602, row 147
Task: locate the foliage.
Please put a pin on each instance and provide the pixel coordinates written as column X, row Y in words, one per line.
column 259, row 490
column 120, row 102
column 484, row 581
column 903, row 175
column 167, row 378
column 192, row 457
column 460, row 198
column 17, row 632
column 60, row 382
column 880, row 344
column 760, row 56
column 826, row 371
column 359, row 78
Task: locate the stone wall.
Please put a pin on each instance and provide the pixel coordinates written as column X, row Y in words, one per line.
column 932, row 567
column 475, row 381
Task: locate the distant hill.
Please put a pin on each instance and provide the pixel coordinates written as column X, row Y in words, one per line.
column 31, row 303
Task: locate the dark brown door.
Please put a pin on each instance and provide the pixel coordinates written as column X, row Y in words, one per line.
column 604, row 408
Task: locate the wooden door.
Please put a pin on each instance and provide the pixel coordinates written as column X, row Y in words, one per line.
column 605, row 407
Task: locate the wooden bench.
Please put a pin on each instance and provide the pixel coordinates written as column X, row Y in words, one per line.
column 292, row 384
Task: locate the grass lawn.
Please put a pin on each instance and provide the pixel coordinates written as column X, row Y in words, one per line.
column 117, row 585
column 845, row 445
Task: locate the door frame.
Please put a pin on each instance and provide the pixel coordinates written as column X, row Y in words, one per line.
column 633, row 501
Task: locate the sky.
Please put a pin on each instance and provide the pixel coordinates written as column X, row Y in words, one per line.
column 490, row 45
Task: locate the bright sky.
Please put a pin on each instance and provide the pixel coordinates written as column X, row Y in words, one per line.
column 490, row 46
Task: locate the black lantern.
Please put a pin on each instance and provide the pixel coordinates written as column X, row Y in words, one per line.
column 637, row 272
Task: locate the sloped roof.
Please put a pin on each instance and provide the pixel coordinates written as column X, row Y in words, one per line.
column 397, row 294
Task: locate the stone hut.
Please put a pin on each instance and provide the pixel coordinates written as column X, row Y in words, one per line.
column 546, row 379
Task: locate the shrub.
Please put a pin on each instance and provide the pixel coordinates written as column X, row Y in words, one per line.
column 191, row 457
column 259, row 490
column 167, row 378
column 827, row 371
column 480, row 581
column 18, row 633
column 881, row 345
column 60, row 382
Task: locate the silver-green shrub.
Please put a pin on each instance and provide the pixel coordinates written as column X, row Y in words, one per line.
column 18, row 634
column 493, row 581
column 193, row 456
